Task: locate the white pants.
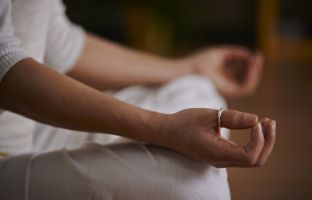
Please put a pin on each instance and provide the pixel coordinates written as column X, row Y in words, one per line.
column 117, row 168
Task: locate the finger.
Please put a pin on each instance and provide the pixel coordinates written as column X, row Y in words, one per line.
column 256, row 151
column 255, row 146
column 246, row 156
column 222, row 164
column 269, row 130
column 253, row 74
column 237, row 68
column 231, row 155
column 233, row 119
column 229, row 87
column 243, row 71
column 229, row 152
column 238, row 51
column 238, row 58
column 269, row 137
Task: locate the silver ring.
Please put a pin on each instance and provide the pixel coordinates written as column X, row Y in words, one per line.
column 220, row 111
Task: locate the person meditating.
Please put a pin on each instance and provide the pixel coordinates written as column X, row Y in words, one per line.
column 134, row 142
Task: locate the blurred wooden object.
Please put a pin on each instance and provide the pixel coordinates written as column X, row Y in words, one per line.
column 148, row 31
column 275, row 46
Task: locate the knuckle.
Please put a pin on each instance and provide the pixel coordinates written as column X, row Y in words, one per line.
column 260, row 163
column 251, row 159
column 235, row 119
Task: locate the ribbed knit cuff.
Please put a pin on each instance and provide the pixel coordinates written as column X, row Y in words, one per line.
column 9, row 56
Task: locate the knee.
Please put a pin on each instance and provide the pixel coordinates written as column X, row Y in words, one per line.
column 151, row 172
column 190, row 91
column 179, row 177
column 210, row 184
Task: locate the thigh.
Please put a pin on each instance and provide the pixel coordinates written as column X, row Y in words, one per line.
column 15, row 133
column 134, row 170
column 118, row 171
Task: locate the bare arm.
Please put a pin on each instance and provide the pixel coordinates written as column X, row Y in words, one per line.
column 35, row 91
column 104, row 64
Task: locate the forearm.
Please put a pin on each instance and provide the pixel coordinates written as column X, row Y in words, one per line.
column 39, row 93
column 104, row 64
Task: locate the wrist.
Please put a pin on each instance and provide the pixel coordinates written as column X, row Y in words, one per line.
column 182, row 67
column 152, row 128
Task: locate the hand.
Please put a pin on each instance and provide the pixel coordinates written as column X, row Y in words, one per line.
column 195, row 132
column 234, row 70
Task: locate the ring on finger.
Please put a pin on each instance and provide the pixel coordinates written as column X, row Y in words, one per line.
column 220, row 111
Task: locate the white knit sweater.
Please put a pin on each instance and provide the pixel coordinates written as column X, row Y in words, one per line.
column 10, row 52
column 38, row 29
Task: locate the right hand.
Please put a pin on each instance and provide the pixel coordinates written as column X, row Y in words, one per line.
column 195, row 132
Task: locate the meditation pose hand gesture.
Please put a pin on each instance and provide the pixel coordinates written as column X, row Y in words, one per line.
column 196, row 132
column 161, row 142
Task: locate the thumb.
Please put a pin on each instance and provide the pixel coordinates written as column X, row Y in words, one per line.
column 234, row 119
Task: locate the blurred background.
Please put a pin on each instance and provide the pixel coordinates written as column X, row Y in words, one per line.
column 281, row 29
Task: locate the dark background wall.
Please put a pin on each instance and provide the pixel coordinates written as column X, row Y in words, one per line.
column 187, row 24
column 282, row 29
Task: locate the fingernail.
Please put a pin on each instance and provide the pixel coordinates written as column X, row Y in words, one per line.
column 255, row 129
column 251, row 119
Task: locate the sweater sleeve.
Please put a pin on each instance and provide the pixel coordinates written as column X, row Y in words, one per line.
column 65, row 40
column 10, row 51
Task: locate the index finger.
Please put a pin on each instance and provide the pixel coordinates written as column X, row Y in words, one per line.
column 254, row 72
column 234, row 119
column 247, row 155
column 269, row 130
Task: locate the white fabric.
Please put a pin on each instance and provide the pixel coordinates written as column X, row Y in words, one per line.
column 10, row 51
column 15, row 133
column 65, row 40
column 46, row 35
column 31, row 22
column 128, row 171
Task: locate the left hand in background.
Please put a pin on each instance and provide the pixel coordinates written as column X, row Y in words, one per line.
column 234, row 70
